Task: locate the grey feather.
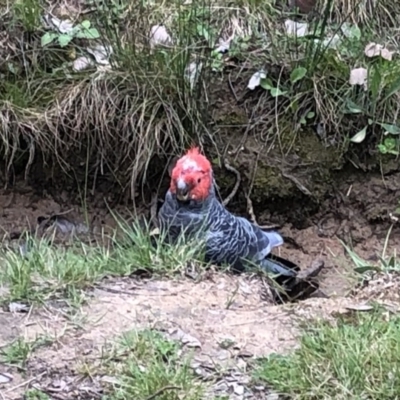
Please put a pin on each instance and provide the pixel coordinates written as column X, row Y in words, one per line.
column 229, row 239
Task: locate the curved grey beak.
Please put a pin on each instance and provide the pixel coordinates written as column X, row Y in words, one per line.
column 182, row 190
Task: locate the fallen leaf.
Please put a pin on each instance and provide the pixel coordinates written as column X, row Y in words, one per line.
column 375, row 49
column 255, row 80
column 223, row 45
column 16, row 307
column 185, row 338
column 294, row 28
column 192, row 71
column 159, row 36
column 5, row 378
column 101, row 54
column 358, row 76
column 360, row 307
column 82, row 63
column 359, row 136
column 387, row 54
column 63, row 25
column 154, row 232
column 238, row 389
column 332, row 41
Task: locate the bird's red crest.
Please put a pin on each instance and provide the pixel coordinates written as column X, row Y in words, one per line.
column 196, row 171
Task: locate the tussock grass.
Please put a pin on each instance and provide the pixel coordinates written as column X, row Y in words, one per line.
column 38, row 270
column 19, row 351
column 102, row 124
column 145, row 363
column 354, row 358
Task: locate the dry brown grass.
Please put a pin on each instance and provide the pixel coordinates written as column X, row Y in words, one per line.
column 113, row 123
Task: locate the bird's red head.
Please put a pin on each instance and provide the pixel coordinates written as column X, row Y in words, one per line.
column 191, row 178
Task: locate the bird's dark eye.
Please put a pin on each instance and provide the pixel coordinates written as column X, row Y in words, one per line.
column 199, row 180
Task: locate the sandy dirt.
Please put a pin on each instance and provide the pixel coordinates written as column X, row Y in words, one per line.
column 204, row 316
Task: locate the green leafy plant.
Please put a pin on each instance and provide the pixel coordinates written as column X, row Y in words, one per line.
column 217, row 61
column 308, row 116
column 390, row 145
column 28, row 12
column 275, row 91
column 80, row 31
column 297, row 74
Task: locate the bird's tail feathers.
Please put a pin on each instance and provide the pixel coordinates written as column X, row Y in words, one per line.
column 276, row 268
column 275, row 239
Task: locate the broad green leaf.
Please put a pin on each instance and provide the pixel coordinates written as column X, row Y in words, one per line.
column 85, row 24
column 11, row 68
column 390, row 143
column 355, row 32
column 91, row 33
column 203, row 31
column 275, row 92
column 310, row 115
column 392, row 129
column 359, row 136
column 298, row 74
column 64, row 39
column 48, row 38
column 353, row 108
column 266, row 84
column 382, row 148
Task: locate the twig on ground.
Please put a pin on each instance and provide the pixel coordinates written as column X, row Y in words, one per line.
column 26, row 382
column 299, row 185
column 162, row 390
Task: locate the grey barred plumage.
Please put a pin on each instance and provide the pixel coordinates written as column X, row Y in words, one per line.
column 228, row 239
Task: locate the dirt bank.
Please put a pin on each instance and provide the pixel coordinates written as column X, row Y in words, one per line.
column 358, row 210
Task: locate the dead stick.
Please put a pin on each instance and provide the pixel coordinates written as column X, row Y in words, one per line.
column 25, row 383
column 162, row 390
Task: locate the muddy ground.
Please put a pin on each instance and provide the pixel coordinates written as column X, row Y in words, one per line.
column 204, row 314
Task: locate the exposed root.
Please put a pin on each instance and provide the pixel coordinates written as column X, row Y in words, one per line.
column 237, row 183
column 299, row 185
column 250, row 210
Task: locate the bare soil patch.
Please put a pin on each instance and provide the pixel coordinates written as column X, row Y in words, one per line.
column 223, row 319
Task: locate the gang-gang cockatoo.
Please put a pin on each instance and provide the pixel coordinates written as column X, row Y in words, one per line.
column 192, row 208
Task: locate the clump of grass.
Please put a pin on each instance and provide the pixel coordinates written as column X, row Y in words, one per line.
column 349, row 359
column 141, row 107
column 146, row 365
column 352, row 357
column 42, row 270
column 386, row 264
column 18, row 352
column 113, row 122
